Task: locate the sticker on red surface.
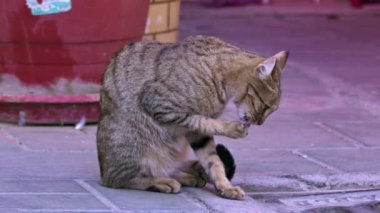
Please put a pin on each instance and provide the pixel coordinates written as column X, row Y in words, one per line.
column 44, row 7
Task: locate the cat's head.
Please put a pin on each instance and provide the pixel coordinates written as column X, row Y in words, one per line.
column 262, row 93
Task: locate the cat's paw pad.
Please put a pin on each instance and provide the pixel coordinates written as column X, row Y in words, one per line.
column 236, row 130
column 233, row 192
column 166, row 186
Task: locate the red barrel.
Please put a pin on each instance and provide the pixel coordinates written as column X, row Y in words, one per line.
column 77, row 44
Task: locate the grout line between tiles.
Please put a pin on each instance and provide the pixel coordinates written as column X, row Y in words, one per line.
column 340, row 135
column 98, row 195
column 305, row 156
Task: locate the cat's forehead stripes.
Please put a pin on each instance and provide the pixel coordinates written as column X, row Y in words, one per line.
column 263, row 89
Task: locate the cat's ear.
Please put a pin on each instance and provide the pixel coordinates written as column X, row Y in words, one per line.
column 266, row 67
column 281, row 58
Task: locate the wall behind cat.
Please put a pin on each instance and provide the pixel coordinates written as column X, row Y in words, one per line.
column 163, row 21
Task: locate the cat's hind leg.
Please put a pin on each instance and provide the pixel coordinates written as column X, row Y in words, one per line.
column 131, row 177
column 208, row 155
column 155, row 184
column 191, row 174
column 166, row 185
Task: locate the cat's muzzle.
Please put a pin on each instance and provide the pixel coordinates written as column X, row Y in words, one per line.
column 246, row 121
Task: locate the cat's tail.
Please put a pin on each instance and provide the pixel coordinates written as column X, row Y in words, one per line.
column 227, row 159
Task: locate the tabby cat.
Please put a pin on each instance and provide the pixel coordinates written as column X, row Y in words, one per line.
column 160, row 99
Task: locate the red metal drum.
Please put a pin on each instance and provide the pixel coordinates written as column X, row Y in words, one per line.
column 40, row 50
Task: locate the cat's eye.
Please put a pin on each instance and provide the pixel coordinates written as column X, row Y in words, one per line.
column 266, row 107
column 264, row 113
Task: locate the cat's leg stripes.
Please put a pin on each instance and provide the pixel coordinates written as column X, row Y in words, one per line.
column 202, row 124
column 154, row 184
column 205, row 149
column 211, row 126
column 168, row 115
column 166, row 185
column 130, row 177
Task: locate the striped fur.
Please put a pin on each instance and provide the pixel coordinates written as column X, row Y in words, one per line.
column 158, row 100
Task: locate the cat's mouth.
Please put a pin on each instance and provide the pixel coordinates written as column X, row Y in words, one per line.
column 246, row 121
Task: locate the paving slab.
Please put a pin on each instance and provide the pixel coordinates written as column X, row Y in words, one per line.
column 341, row 181
column 274, row 162
column 61, row 165
column 278, row 186
column 293, row 78
column 39, row 186
column 215, row 204
column 349, row 160
column 346, row 199
column 370, row 77
column 279, row 134
column 372, row 89
column 37, row 138
column 371, row 207
column 367, row 133
column 51, row 202
column 140, row 201
column 6, row 144
column 359, row 201
column 338, row 114
column 7, row 210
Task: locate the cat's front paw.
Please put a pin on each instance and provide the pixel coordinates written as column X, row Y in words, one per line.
column 231, row 192
column 236, row 130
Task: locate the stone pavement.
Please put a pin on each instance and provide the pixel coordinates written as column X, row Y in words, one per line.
column 318, row 153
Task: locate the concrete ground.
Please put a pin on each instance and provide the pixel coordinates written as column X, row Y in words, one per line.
column 319, row 153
